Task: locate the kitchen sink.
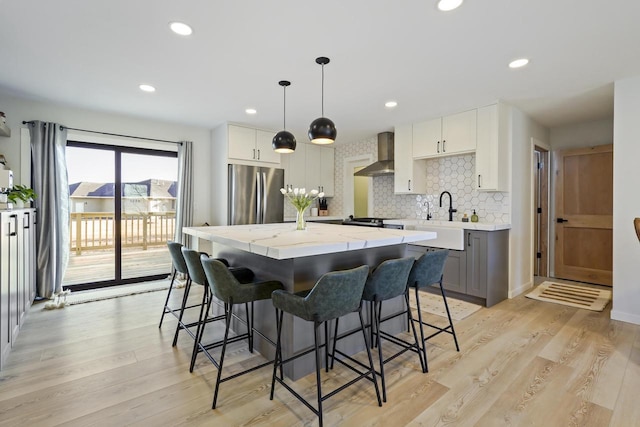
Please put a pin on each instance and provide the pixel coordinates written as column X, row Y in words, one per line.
column 449, row 236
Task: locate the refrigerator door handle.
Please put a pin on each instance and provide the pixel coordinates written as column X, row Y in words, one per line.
column 259, row 199
column 264, row 197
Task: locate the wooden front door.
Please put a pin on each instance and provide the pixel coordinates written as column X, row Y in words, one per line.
column 584, row 214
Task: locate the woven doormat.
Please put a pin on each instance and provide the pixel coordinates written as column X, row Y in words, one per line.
column 433, row 304
column 571, row 295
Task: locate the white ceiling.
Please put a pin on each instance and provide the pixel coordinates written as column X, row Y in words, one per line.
column 94, row 54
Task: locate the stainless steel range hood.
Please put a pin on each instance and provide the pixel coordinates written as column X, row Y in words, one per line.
column 384, row 165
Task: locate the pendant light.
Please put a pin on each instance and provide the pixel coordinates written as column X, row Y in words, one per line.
column 284, row 142
column 322, row 130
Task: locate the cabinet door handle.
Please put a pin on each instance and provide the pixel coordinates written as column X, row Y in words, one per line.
column 254, row 154
column 438, row 147
column 15, row 225
column 469, row 239
column 26, row 220
column 479, row 186
column 443, row 149
column 258, row 154
column 409, row 185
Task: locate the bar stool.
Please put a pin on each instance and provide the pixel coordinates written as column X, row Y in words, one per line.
column 426, row 271
column 197, row 276
column 387, row 281
column 334, row 295
column 179, row 266
column 226, row 288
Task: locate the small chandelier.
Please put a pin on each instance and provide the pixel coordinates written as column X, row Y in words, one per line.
column 284, row 142
column 322, row 130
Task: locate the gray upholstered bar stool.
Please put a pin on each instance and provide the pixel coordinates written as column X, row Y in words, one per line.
column 426, row 271
column 179, row 267
column 197, row 275
column 230, row 291
column 387, row 281
column 334, row 295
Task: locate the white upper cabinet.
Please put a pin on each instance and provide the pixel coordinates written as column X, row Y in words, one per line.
column 251, row 144
column 427, row 138
column 320, row 169
column 459, row 133
column 492, row 152
column 410, row 175
column 445, row 136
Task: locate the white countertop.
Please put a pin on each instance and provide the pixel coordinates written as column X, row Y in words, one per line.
column 416, row 224
column 282, row 241
column 317, row 218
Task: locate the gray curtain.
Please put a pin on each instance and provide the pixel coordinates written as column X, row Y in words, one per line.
column 49, row 181
column 184, row 204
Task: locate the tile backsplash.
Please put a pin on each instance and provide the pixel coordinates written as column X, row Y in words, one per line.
column 454, row 174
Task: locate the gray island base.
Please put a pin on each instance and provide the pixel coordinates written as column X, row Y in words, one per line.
column 298, row 259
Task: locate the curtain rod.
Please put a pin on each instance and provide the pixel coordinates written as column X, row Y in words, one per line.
column 110, row 134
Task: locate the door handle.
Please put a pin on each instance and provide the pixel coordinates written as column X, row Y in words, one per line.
column 409, row 186
column 258, row 154
column 14, row 218
column 443, row 149
column 561, row 220
column 469, row 239
column 479, row 181
column 258, row 198
column 438, row 147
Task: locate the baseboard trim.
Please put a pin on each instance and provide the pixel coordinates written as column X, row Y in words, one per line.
column 625, row 317
column 520, row 290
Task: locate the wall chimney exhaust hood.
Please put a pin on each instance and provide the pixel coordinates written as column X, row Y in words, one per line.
column 384, row 165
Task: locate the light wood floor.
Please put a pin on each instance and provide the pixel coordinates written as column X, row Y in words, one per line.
column 522, row 362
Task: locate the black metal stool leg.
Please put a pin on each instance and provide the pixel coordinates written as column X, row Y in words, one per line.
column 184, row 303
column 316, row 336
column 371, row 369
column 326, row 346
column 227, row 312
column 423, row 345
column 278, row 358
column 335, row 340
column 413, row 328
column 204, row 310
column 446, row 306
column 249, row 325
column 166, row 301
column 376, row 317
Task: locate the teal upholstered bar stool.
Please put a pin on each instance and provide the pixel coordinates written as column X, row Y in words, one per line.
column 387, row 281
column 179, row 267
column 230, row 291
column 427, row 271
column 334, row 295
column 197, row 276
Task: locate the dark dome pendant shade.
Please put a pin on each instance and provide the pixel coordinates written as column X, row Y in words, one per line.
column 322, row 130
column 284, row 141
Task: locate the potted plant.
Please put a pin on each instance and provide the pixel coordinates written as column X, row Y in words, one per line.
column 21, row 193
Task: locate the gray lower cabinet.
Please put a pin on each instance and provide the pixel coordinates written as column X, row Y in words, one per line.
column 480, row 270
column 17, row 274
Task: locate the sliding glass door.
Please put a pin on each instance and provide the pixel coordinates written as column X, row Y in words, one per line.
column 122, row 214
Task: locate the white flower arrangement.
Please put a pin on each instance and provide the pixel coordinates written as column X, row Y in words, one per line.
column 299, row 197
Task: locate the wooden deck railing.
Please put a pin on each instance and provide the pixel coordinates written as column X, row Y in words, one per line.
column 94, row 230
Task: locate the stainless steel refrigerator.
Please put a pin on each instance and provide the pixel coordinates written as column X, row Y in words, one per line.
column 254, row 195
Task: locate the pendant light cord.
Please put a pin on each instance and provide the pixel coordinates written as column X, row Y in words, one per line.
column 322, row 90
column 284, row 109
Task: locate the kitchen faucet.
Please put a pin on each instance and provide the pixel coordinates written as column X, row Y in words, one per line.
column 451, row 210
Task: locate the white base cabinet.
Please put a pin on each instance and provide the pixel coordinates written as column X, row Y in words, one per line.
column 17, row 274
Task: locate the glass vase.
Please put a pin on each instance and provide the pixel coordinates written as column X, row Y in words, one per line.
column 300, row 222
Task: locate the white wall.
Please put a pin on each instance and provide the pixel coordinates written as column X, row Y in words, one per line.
column 521, row 235
column 626, row 201
column 19, row 109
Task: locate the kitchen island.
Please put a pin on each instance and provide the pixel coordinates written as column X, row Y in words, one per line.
column 298, row 259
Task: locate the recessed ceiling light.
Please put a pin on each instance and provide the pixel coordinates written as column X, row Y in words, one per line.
column 447, row 5
column 180, row 28
column 251, row 111
column 147, row 88
column 518, row 63
column 391, row 104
